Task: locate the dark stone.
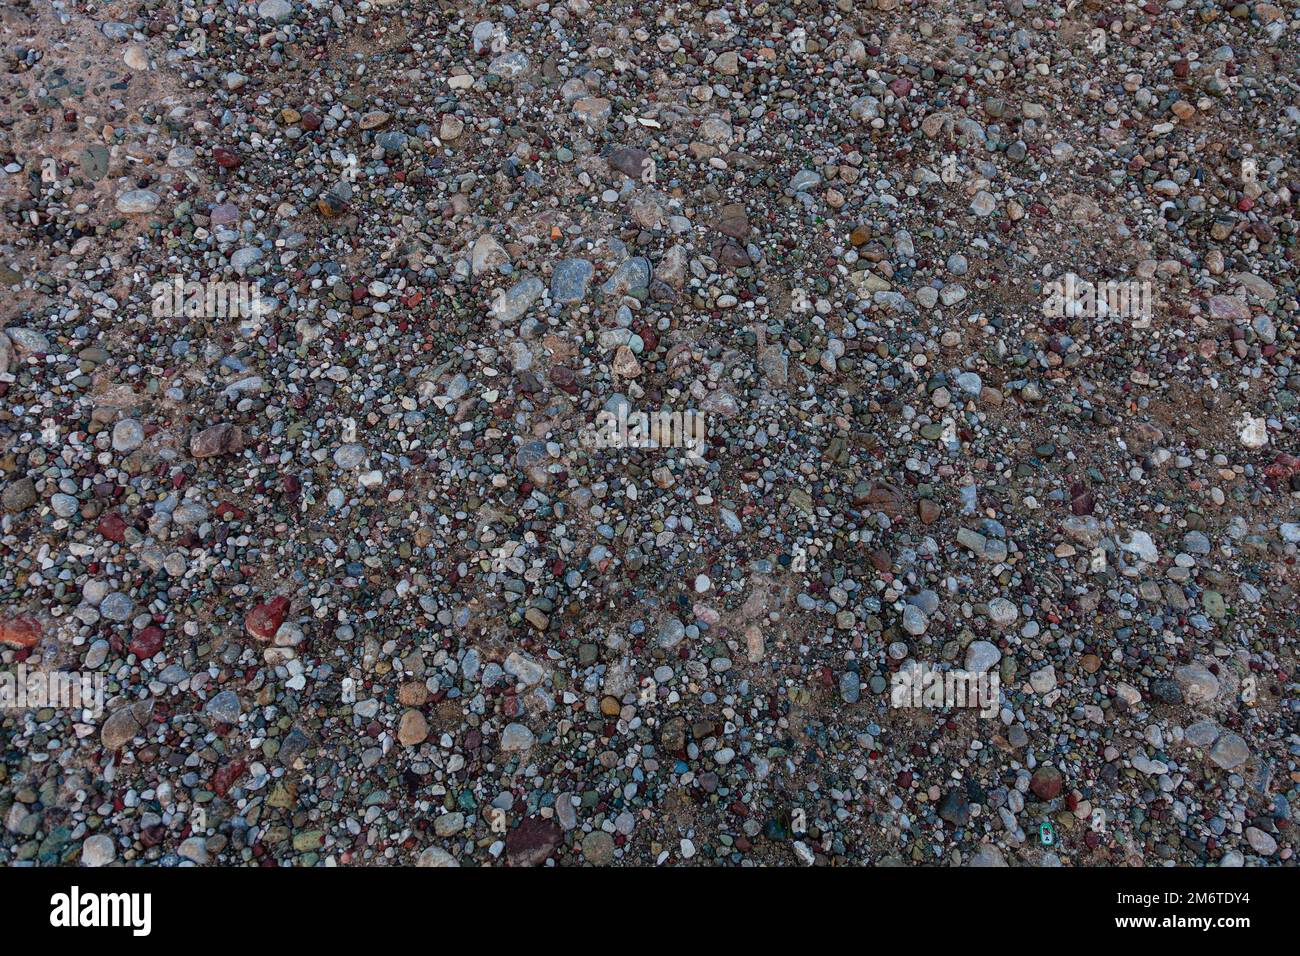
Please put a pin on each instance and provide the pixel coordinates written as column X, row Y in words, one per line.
column 532, row 842
column 955, row 808
column 628, row 160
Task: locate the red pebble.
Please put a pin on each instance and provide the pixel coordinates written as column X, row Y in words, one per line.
column 225, row 158
column 227, row 512
column 147, row 643
column 264, row 620
column 113, row 528
column 226, row 777
column 1046, row 783
column 20, row 632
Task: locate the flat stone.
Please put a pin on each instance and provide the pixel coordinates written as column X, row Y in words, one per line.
column 1140, row 544
column 987, row 855
column 18, row 495
column 515, row 738
column 1198, row 685
column 593, row 112
column 511, row 304
column 628, row 160
column 955, row 808
column 1043, row 680
column 220, row 439
column 412, row 729
column 136, row 202
column 125, row 723
column 436, row 856
column 981, row 655
column 1261, row 842
column 487, row 254
column 224, row 707
column 28, row 341
column 570, row 280
column 1229, row 751
column 277, row 11
column 128, row 435
column 632, row 275
column 98, row 850
column 509, row 65
column 598, row 848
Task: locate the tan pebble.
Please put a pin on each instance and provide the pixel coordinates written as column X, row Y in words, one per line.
column 413, row 729
column 412, row 694
column 136, row 57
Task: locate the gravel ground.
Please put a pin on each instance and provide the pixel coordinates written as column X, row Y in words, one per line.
column 359, row 581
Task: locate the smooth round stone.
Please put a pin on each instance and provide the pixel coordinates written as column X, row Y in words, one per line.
column 138, row 202
column 128, row 435
column 436, row 856
column 277, row 11
column 350, row 457
column 598, row 848
column 117, row 607
column 194, row 849
column 98, row 850
column 1002, row 612
column 136, row 57
column 516, row 737
column 243, row 258
column 65, row 506
column 181, row 157
column 97, row 654
column 671, row 632
column 914, row 620
column 982, row 655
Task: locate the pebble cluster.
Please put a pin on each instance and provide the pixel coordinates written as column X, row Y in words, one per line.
column 360, row 594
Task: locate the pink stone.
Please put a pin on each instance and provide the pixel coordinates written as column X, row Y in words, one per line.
column 1228, row 307
column 226, row 214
